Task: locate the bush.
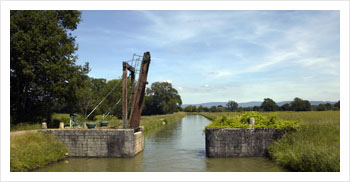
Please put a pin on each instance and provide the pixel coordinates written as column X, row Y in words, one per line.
column 241, row 121
column 57, row 118
column 33, row 150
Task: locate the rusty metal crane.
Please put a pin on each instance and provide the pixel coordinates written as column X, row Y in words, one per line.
column 137, row 93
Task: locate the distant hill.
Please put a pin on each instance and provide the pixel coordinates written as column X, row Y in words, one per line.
column 252, row 103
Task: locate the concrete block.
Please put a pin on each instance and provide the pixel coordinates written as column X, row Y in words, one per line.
column 240, row 142
column 100, row 143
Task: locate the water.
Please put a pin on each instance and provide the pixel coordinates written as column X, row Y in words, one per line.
column 178, row 147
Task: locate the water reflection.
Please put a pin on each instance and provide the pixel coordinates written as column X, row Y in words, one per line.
column 177, row 147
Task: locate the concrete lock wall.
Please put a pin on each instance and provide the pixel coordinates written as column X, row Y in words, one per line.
column 100, row 142
column 239, row 142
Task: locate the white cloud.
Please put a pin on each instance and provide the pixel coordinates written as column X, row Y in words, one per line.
column 204, row 52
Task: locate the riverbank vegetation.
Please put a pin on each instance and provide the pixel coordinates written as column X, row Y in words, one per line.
column 148, row 122
column 32, row 150
column 313, row 147
column 242, row 121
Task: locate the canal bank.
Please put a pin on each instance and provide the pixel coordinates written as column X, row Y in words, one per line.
column 25, row 155
column 177, row 147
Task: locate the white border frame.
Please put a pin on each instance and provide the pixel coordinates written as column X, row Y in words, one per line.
column 6, row 6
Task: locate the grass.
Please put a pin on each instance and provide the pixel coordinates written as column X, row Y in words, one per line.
column 149, row 122
column 156, row 121
column 314, row 147
column 33, row 150
column 25, row 126
column 56, row 119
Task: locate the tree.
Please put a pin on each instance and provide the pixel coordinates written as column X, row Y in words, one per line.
column 329, row 106
column 321, row 107
column 232, row 105
column 110, row 104
column 188, row 108
column 194, row 108
column 200, row 109
column 213, row 109
column 337, row 105
column 300, row 105
column 42, row 62
column 269, row 105
column 220, row 108
column 205, row 109
column 285, row 107
column 161, row 98
column 256, row 108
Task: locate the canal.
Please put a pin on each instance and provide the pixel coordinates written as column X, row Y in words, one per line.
column 178, row 147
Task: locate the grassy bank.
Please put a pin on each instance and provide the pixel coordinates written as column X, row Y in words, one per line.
column 156, row 121
column 25, row 126
column 56, row 119
column 149, row 122
column 314, row 147
column 33, row 150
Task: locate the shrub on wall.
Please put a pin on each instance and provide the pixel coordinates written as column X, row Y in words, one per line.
column 242, row 121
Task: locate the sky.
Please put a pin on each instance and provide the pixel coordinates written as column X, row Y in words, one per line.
column 216, row 56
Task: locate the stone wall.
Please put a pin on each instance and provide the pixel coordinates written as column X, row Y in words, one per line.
column 239, row 142
column 139, row 142
column 100, row 142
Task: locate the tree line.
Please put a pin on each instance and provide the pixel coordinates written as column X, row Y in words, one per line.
column 267, row 105
column 45, row 79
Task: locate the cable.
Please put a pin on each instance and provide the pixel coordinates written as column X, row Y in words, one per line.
column 115, row 86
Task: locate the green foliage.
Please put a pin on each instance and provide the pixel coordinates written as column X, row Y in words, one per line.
column 191, row 108
column 213, row 109
column 33, row 150
column 315, row 146
column 285, row 107
column 42, row 62
column 269, row 105
column 300, row 105
column 232, row 105
column 220, row 108
column 61, row 118
column 157, row 121
column 202, row 109
column 242, row 121
column 337, row 105
column 312, row 148
column 161, row 98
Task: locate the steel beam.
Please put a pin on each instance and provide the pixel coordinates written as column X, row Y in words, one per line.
column 124, row 95
column 136, row 106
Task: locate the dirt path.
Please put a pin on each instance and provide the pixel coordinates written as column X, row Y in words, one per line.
column 23, row 132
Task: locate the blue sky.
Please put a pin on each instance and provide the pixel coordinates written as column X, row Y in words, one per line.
column 216, row 56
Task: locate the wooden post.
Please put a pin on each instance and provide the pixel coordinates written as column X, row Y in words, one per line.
column 136, row 109
column 124, row 95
